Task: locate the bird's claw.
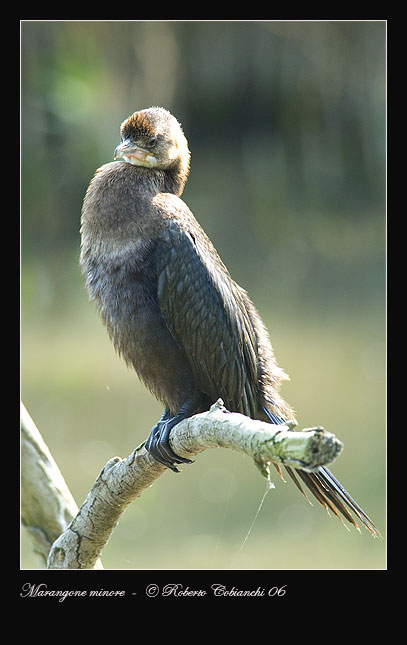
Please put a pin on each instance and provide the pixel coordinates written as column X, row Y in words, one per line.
column 158, row 446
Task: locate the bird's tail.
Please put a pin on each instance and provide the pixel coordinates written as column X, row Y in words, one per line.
column 333, row 496
column 327, row 490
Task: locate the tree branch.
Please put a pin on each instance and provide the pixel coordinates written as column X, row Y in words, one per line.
column 122, row 480
column 47, row 506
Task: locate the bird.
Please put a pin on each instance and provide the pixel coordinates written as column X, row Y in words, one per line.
column 170, row 305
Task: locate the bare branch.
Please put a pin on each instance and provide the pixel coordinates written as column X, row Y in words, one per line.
column 47, row 505
column 122, row 480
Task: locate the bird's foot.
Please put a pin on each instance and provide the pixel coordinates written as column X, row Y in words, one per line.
column 158, row 445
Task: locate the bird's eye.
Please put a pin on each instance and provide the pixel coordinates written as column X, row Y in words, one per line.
column 152, row 142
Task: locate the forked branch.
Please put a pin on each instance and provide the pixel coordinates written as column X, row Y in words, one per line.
column 122, row 480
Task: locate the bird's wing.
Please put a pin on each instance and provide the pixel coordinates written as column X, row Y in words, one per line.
column 206, row 313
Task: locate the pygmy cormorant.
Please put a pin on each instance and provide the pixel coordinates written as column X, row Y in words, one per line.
column 170, row 305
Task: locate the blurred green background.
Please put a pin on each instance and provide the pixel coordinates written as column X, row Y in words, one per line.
column 286, row 126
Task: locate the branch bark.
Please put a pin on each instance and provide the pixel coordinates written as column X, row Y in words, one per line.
column 122, row 480
column 47, row 506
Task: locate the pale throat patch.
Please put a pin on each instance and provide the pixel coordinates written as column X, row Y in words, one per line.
column 146, row 160
column 142, row 158
column 173, row 153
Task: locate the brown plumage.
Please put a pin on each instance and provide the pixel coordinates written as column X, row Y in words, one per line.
column 170, row 305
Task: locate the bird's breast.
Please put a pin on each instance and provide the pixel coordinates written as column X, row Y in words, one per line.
column 126, row 295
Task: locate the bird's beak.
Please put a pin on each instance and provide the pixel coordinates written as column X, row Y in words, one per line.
column 134, row 154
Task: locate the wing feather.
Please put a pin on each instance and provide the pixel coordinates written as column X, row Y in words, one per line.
column 205, row 310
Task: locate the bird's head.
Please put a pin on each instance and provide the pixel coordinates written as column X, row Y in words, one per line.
column 153, row 138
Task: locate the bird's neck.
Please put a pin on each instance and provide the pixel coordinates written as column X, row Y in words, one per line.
column 151, row 180
column 173, row 179
column 117, row 204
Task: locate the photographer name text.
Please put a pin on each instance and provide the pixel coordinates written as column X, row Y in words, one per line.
column 178, row 590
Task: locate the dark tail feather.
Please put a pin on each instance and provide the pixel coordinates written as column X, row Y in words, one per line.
column 290, row 471
column 328, row 491
column 333, row 496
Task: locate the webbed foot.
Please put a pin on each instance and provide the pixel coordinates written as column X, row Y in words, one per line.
column 158, row 443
